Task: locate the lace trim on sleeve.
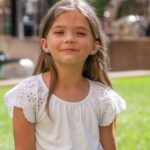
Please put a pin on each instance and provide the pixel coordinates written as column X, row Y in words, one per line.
column 27, row 110
column 23, row 96
column 110, row 103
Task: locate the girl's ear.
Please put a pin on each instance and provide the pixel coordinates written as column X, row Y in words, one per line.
column 44, row 46
column 95, row 47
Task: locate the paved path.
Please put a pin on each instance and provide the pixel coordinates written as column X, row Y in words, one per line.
column 121, row 74
column 129, row 73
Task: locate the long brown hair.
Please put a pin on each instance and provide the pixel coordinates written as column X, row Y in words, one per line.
column 95, row 67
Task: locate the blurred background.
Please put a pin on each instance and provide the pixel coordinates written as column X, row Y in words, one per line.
column 127, row 26
column 125, row 22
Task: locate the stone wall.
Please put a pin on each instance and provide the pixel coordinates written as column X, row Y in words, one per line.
column 18, row 48
column 14, row 47
column 130, row 54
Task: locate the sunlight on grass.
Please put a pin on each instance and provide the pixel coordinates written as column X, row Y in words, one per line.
column 133, row 124
column 6, row 134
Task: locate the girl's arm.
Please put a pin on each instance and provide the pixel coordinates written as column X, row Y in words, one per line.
column 107, row 137
column 24, row 131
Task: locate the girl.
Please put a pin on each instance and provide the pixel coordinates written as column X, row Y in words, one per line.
column 68, row 104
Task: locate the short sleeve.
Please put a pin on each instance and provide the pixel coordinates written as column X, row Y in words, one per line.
column 111, row 105
column 24, row 96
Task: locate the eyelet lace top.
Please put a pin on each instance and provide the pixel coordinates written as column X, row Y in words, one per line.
column 74, row 125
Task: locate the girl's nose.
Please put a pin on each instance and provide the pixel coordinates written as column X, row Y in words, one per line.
column 69, row 38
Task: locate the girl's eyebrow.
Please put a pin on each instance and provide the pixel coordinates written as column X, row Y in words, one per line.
column 58, row 26
column 82, row 28
column 63, row 27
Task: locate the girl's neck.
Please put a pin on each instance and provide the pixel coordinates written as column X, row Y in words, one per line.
column 71, row 85
column 67, row 77
column 70, row 76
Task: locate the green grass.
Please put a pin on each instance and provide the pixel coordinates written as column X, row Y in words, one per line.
column 133, row 125
column 6, row 133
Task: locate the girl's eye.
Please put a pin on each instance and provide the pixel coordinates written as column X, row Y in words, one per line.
column 81, row 33
column 59, row 32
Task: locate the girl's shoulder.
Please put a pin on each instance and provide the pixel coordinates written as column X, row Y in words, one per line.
column 107, row 96
column 30, row 81
column 29, row 95
column 109, row 101
column 27, row 85
column 100, row 88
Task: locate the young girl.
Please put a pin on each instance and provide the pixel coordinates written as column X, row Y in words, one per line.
column 68, row 104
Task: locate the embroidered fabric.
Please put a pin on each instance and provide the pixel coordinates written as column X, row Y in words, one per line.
column 25, row 96
column 109, row 102
column 31, row 94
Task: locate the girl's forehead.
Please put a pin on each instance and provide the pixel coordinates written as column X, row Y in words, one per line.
column 73, row 17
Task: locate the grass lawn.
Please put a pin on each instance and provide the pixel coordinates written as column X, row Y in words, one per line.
column 133, row 125
column 6, row 133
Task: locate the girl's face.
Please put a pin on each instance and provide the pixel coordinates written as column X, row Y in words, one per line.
column 70, row 39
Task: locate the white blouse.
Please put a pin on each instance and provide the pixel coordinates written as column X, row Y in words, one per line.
column 73, row 125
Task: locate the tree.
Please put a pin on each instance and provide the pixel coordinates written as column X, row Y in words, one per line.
column 135, row 7
column 100, row 6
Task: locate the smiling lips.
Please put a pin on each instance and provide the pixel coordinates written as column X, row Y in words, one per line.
column 69, row 50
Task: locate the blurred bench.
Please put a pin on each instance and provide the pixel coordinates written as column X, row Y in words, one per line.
column 4, row 60
column 23, row 67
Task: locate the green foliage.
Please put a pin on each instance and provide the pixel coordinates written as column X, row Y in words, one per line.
column 129, row 7
column 132, row 125
column 99, row 6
